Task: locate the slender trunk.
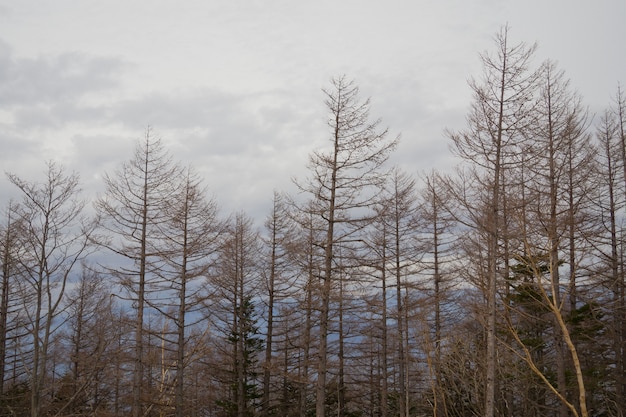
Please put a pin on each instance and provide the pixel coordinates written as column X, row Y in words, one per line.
column 36, row 371
column 182, row 310
column 405, row 323
column 400, row 312
column 78, row 336
column 304, row 386
column 553, row 239
column 39, row 346
column 239, row 326
column 582, row 393
column 384, row 342
column 139, row 366
column 286, row 401
column 437, row 400
column 270, row 321
column 492, row 264
column 326, row 285
column 620, row 353
column 341, row 388
column 614, row 277
column 118, row 372
column 4, row 297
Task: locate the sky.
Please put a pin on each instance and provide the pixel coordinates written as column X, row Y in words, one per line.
column 234, row 88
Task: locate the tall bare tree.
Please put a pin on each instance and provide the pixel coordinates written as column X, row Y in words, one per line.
column 307, row 257
column 279, row 229
column 610, row 247
column 133, row 209
column 89, row 339
column 437, row 225
column 619, row 110
column 499, row 113
column 558, row 182
column 394, row 241
column 55, row 236
column 235, row 284
column 190, row 237
column 8, row 253
column 339, row 187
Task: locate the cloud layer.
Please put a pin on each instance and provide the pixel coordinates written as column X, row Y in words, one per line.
column 234, row 88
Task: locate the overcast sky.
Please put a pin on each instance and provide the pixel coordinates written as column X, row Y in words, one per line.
column 234, row 87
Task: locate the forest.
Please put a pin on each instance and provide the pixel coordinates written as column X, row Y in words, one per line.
column 496, row 288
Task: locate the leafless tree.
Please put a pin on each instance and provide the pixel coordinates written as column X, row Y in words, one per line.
column 558, row 182
column 190, row 237
column 231, row 308
column 89, row 343
column 279, row 278
column 393, row 240
column 619, row 110
column 610, row 202
column 55, row 237
column 306, row 255
column 499, row 113
column 8, row 255
column 439, row 262
column 133, row 208
column 339, row 187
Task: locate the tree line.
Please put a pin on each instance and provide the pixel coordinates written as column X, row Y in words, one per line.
column 497, row 289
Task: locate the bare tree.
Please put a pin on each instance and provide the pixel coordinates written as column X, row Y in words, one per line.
column 558, row 182
column 55, row 236
column 133, row 208
column 437, row 226
column 231, row 308
column 88, row 342
column 190, row 237
column 619, row 111
column 307, row 257
column 8, row 254
column 278, row 282
column 609, row 241
column 393, row 240
column 499, row 113
column 339, row 183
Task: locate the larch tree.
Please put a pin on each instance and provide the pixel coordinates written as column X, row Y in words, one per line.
column 395, row 243
column 558, row 182
column 499, row 112
column 89, row 339
column 307, row 256
column 231, row 307
column 619, row 110
column 436, row 226
column 8, row 257
column 279, row 229
column 609, row 241
column 340, row 187
column 377, row 331
column 190, row 238
column 133, row 209
column 15, row 354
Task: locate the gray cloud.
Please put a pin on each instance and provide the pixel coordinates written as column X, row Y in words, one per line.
column 70, row 76
column 235, row 90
